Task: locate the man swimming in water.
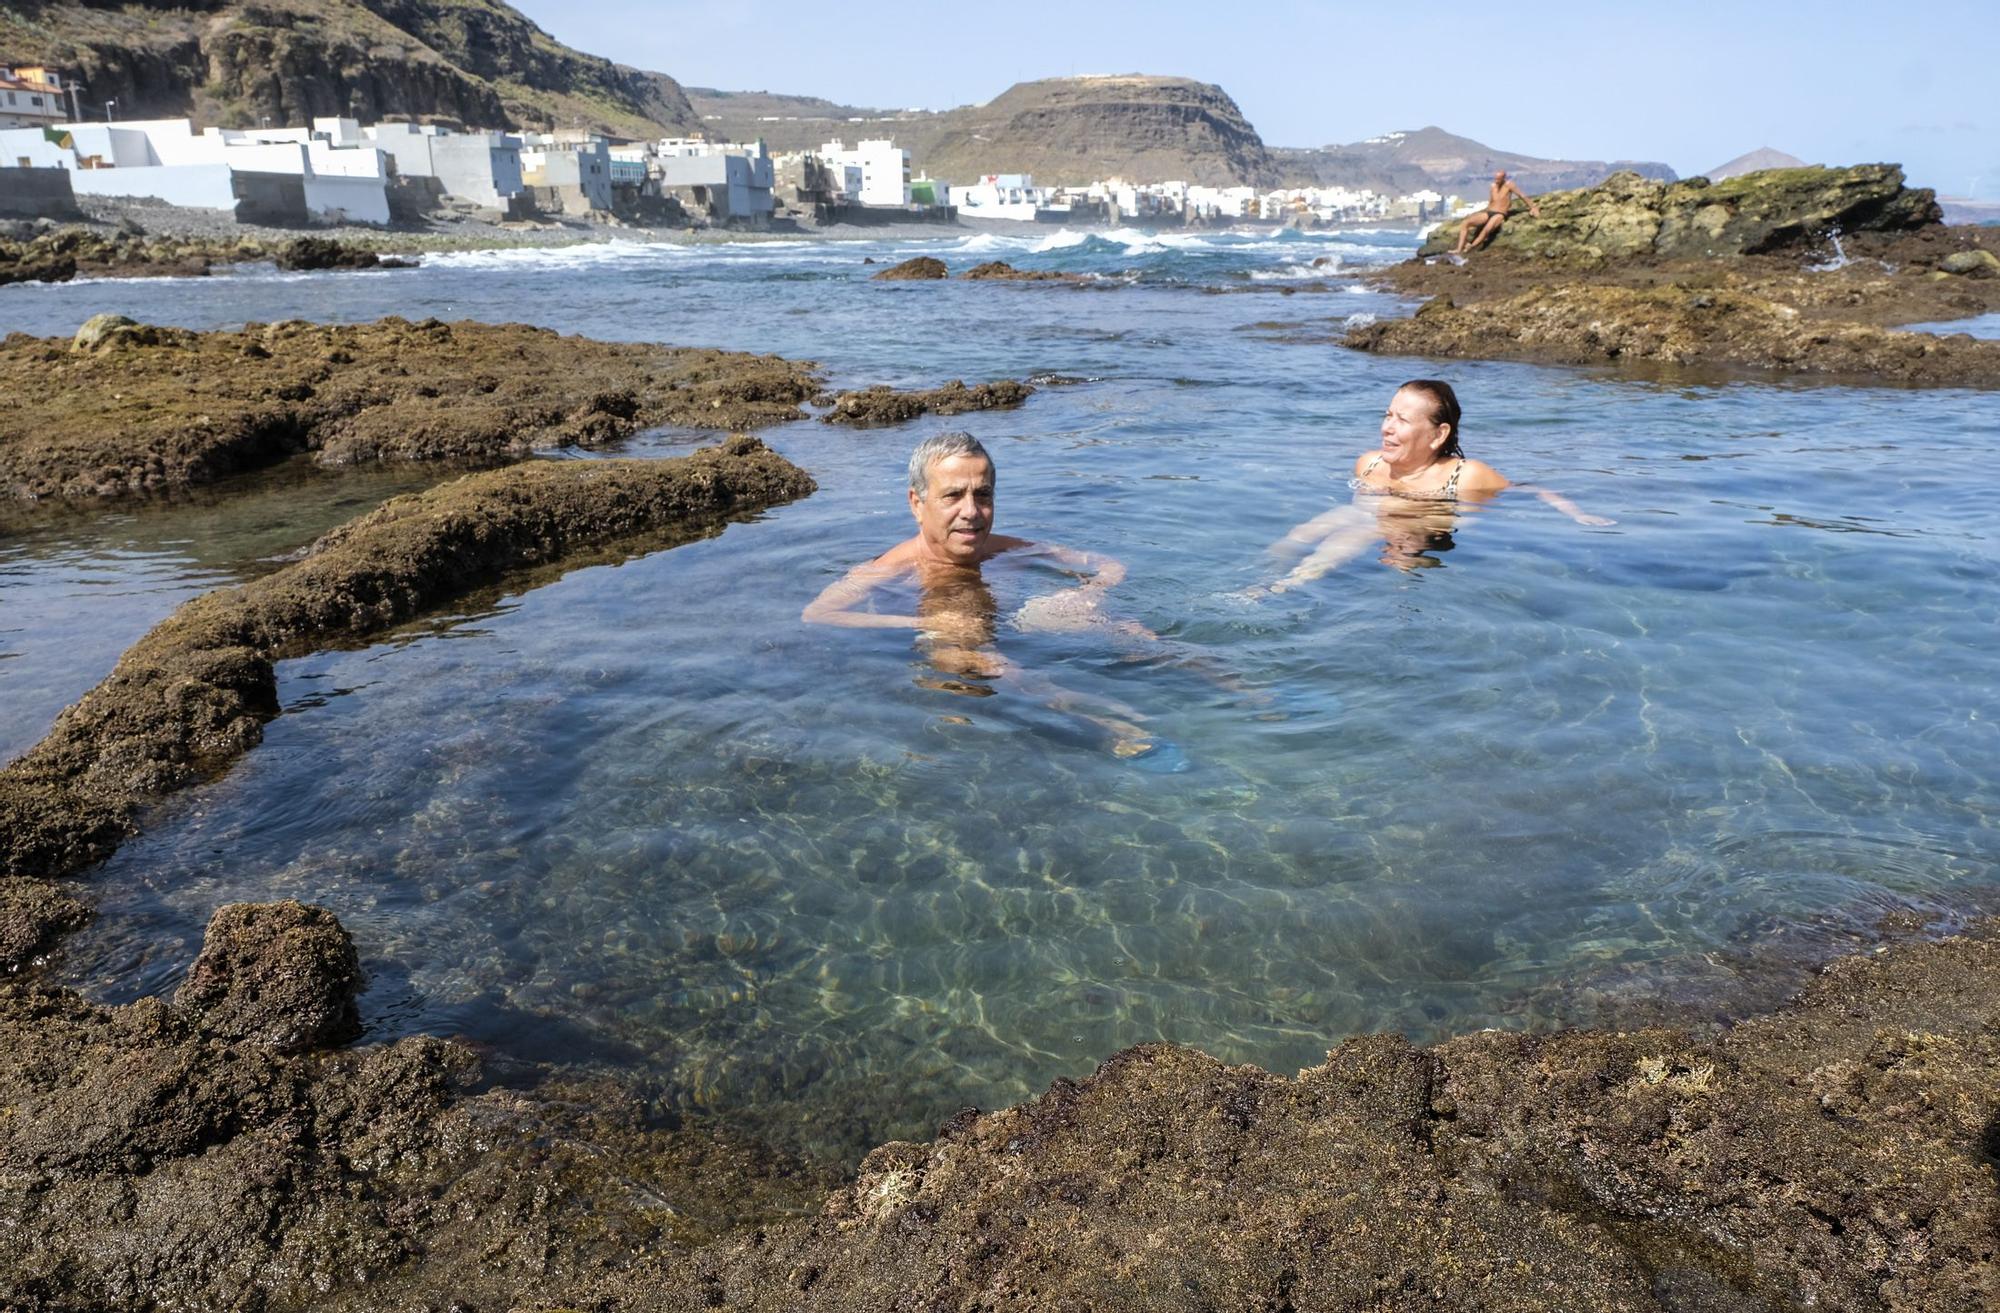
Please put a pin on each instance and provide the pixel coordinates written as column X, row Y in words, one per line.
column 951, row 497
column 1499, row 201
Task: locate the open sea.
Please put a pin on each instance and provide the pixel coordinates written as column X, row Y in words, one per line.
column 1516, row 774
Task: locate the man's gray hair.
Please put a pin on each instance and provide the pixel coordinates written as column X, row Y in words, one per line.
column 943, row 446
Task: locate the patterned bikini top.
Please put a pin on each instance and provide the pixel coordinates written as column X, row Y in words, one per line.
column 1447, row 493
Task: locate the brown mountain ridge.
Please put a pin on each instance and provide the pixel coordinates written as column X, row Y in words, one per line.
column 240, row 62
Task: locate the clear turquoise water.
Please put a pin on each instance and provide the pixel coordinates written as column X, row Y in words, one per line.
column 643, row 816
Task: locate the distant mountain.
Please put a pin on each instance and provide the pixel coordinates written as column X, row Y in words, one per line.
column 1761, row 158
column 1402, row 162
column 238, row 62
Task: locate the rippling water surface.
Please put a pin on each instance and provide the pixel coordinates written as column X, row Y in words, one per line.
column 642, row 815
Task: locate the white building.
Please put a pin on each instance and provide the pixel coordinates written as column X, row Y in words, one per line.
column 481, row 167
column 571, row 170
column 1001, row 196
column 282, row 175
column 31, row 98
column 885, row 171
column 724, row 180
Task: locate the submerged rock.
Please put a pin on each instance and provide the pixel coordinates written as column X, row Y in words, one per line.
column 870, row 407
column 919, row 267
column 281, row 975
column 1001, row 271
column 1629, row 217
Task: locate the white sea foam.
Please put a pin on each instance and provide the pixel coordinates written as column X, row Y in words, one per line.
column 1060, row 240
column 581, row 255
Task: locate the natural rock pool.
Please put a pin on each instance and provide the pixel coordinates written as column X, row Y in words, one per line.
column 643, row 816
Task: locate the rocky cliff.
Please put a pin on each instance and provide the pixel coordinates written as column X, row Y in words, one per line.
column 243, row 62
column 1077, row 130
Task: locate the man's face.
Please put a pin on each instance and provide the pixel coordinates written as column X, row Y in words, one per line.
column 955, row 513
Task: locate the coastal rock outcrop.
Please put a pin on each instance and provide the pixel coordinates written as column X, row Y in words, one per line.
column 1582, row 324
column 129, row 407
column 1629, row 217
column 916, row 268
column 193, row 694
column 66, row 253
column 870, row 407
column 309, row 253
column 280, row 975
column 1001, row 271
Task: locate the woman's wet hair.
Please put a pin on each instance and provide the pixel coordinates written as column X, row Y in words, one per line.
column 1444, row 408
column 943, row 446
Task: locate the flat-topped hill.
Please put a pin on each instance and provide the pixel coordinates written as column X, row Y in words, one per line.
column 236, row 63
column 1080, row 129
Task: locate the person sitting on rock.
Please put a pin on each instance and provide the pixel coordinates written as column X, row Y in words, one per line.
column 1499, row 200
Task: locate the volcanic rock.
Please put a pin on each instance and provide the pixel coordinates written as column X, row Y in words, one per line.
column 1629, row 217
column 872, row 407
column 33, row 914
column 1001, row 271
column 130, row 407
column 282, row 975
column 1973, row 264
column 306, row 253
column 917, row 267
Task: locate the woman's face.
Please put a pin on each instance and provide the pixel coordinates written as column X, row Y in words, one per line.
column 1409, row 435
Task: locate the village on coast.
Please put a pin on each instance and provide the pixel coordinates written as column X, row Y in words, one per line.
column 340, row 171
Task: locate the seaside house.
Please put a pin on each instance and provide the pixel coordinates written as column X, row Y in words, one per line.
column 479, row 168
column 32, row 98
column 567, row 172
column 885, row 171
column 1001, row 196
column 273, row 176
column 725, row 181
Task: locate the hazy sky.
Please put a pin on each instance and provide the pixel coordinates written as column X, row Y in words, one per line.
column 1835, row 82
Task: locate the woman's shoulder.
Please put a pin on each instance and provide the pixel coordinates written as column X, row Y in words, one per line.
column 1364, row 461
column 1478, row 476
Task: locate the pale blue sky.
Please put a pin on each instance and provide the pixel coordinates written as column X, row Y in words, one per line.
column 1835, row 82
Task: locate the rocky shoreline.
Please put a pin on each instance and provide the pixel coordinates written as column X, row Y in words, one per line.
column 1801, row 271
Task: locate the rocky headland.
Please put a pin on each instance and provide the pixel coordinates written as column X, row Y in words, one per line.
column 1805, row 270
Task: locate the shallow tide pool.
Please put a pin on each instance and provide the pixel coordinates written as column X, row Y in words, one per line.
column 642, row 815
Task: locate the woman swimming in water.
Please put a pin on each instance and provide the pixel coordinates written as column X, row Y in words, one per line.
column 1419, row 474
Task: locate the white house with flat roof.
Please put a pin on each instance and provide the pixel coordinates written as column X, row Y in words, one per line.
column 885, row 170
column 481, row 167
column 726, row 180
column 275, row 175
column 1001, row 196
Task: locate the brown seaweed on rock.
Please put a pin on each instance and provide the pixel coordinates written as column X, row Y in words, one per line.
column 871, row 407
column 128, row 407
column 192, row 695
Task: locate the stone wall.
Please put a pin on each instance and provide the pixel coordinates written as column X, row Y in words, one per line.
column 36, row 194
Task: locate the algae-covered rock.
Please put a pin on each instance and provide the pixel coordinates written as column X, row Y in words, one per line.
column 871, row 407
column 97, row 417
column 917, row 268
column 1001, row 271
column 33, row 914
column 1587, row 324
column 1628, row 217
column 1972, row 264
column 281, row 975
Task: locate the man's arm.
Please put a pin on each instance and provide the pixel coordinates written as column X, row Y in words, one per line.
column 1533, row 208
column 1078, row 607
column 840, row 602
